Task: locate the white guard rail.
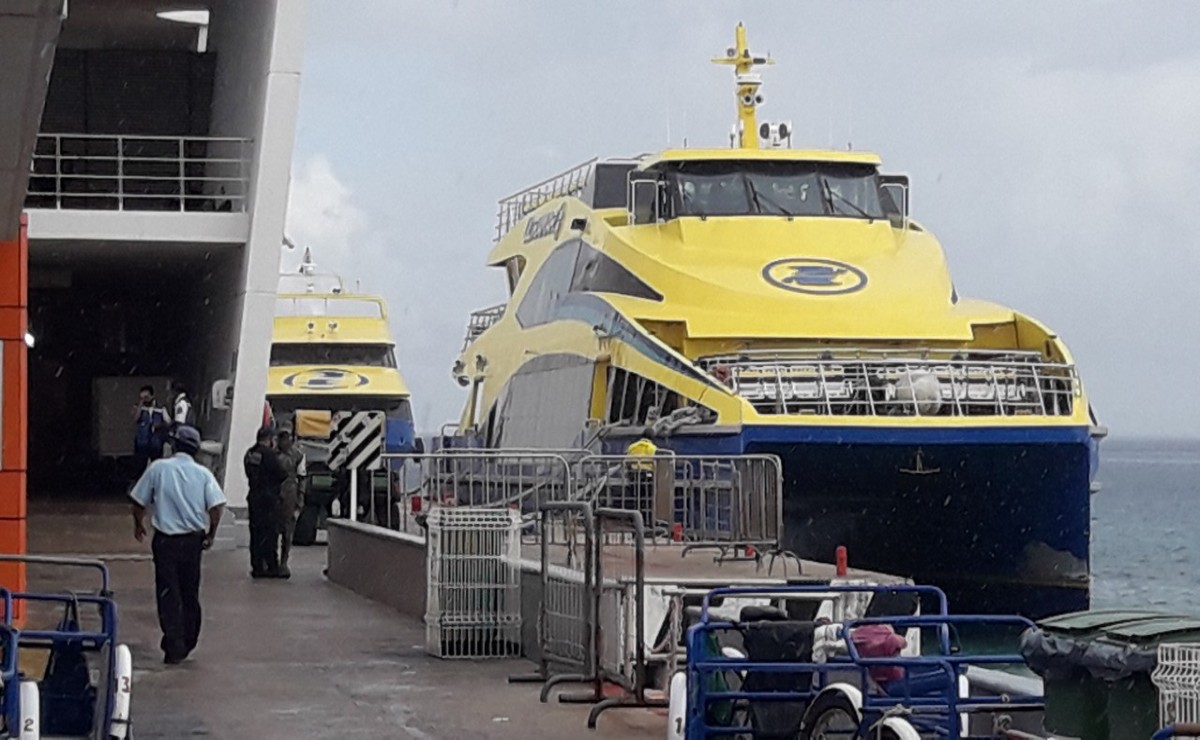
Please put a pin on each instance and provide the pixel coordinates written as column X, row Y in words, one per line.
column 140, row 173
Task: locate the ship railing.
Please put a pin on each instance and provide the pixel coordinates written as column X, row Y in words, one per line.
column 481, row 321
column 876, row 384
column 515, row 207
column 140, row 173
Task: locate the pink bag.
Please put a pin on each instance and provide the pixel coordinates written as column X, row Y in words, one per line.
column 880, row 641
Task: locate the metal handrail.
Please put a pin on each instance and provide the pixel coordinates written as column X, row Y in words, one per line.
column 482, row 320
column 513, row 208
column 140, row 173
column 969, row 383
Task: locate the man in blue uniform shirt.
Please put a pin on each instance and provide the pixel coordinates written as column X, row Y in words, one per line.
column 187, row 503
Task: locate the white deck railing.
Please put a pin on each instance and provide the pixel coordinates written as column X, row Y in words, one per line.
column 514, row 207
column 481, row 321
column 140, row 173
column 929, row 383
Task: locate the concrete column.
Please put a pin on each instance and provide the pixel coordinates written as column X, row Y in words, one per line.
column 268, row 197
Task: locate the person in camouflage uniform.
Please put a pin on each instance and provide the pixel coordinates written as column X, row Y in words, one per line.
column 291, row 499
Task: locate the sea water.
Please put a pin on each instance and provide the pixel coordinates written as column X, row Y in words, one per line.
column 1146, row 526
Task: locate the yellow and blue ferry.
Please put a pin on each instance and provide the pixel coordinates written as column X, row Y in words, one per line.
column 765, row 299
column 332, row 352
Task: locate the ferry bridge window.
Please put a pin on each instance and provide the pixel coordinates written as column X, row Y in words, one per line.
column 741, row 188
column 373, row 355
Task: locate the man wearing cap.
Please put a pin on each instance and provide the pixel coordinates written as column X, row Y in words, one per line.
column 187, row 504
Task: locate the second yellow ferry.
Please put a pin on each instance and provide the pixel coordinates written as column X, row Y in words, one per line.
column 764, row 299
column 331, row 352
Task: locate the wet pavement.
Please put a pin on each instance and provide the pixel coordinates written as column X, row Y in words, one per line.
column 303, row 658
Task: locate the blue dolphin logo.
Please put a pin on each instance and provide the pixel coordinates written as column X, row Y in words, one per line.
column 814, row 276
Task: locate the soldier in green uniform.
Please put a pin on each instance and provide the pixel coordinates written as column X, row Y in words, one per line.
column 291, row 499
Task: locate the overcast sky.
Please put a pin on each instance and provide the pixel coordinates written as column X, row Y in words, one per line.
column 1053, row 149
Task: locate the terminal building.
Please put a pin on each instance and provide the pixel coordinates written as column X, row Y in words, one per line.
column 147, row 150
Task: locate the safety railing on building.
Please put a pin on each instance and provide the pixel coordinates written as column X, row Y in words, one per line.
column 140, row 173
column 878, row 383
column 515, row 207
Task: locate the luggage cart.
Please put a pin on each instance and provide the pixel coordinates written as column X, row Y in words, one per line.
column 85, row 689
column 768, row 676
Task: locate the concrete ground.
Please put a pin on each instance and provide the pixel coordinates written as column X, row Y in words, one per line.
column 301, row 658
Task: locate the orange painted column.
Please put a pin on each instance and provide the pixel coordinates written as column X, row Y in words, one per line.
column 14, row 403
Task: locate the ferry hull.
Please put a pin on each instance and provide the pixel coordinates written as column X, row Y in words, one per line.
column 1000, row 518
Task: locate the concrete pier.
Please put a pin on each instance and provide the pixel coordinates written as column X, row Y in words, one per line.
column 301, row 658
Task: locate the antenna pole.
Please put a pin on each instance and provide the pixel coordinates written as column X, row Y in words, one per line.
column 748, row 97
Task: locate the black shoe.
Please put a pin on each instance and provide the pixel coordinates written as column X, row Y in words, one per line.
column 259, row 574
column 173, row 659
column 283, row 572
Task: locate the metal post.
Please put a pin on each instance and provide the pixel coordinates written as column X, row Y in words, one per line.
column 353, row 514
column 182, row 184
column 58, row 171
column 120, row 174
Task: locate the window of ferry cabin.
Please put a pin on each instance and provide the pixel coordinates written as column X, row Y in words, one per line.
column 780, row 188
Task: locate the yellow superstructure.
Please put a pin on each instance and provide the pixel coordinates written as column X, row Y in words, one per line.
column 333, row 343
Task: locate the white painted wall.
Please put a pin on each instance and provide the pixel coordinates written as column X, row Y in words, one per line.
column 260, row 49
column 131, row 226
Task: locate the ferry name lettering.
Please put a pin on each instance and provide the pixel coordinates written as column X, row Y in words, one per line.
column 545, row 225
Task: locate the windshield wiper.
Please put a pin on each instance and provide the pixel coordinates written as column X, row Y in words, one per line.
column 830, row 193
column 756, row 195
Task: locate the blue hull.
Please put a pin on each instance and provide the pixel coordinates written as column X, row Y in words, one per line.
column 998, row 517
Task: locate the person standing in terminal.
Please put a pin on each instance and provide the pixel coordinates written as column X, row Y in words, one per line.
column 150, row 421
column 265, row 475
column 181, row 406
column 291, row 495
column 187, row 503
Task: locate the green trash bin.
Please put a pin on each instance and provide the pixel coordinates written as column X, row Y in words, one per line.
column 1133, row 700
column 1096, row 666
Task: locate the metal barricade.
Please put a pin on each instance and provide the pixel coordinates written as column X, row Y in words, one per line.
column 731, row 502
column 492, row 479
column 620, row 650
column 473, row 570
column 566, row 613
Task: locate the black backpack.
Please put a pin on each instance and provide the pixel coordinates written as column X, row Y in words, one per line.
column 67, row 694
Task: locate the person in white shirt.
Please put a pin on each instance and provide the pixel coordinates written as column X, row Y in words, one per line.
column 182, row 413
column 187, row 503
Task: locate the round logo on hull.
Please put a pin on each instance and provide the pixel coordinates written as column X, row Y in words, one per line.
column 325, row 379
column 814, row 276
